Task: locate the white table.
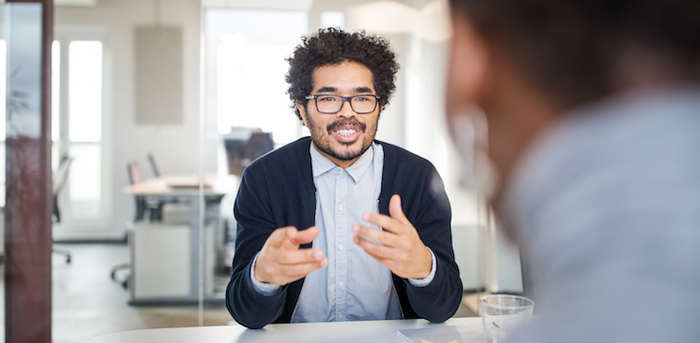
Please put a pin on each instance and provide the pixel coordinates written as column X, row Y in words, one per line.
column 383, row 331
column 187, row 186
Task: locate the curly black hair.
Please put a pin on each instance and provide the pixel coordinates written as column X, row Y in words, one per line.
column 334, row 46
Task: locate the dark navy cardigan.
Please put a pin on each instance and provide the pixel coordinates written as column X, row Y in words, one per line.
column 278, row 190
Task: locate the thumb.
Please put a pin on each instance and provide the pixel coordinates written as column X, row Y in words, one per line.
column 396, row 211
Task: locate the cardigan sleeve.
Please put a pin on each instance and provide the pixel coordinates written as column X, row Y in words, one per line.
column 440, row 299
column 427, row 207
column 255, row 223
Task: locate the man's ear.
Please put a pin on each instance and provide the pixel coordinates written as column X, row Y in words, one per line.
column 302, row 111
column 469, row 66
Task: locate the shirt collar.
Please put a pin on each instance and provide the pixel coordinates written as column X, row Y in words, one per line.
column 321, row 164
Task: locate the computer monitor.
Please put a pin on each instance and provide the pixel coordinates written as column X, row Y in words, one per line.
column 244, row 145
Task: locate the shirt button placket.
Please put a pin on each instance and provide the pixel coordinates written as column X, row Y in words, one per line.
column 341, row 258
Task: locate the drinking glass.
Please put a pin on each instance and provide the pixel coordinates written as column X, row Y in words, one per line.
column 501, row 313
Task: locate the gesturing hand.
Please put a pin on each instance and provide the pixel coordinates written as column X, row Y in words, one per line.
column 401, row 249
column 280, row 260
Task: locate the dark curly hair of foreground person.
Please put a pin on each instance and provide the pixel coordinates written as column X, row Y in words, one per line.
column 335, row 46
column 580, row 50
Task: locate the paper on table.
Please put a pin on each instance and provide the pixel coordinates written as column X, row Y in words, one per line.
column 444, row 334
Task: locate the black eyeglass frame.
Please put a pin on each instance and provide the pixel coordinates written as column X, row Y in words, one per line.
column 345, row 99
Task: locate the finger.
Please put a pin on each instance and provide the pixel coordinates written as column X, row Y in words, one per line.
column 377, row 251
column 396, row 211
column 295, row 272
column 383, row 221
column 304, row 236
column 383, row 237
column 279, row 236
column 283, row 274
column 287, row 257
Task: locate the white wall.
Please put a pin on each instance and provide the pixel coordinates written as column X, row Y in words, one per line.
column 175, row 147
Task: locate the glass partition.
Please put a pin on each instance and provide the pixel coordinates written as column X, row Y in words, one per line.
column 153, row 106
column 3, row 104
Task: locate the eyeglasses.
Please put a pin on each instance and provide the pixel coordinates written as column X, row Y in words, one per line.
column 331, row 104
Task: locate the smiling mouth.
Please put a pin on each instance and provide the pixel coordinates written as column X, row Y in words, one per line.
column 346, row 131
column 347, row 136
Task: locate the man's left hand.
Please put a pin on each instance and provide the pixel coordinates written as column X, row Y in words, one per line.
column 400, row 248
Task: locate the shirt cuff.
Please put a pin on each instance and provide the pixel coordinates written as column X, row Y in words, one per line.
column 263, row 288
column 424, row 282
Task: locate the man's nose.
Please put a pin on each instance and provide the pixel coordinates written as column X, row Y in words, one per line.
column 346, row 110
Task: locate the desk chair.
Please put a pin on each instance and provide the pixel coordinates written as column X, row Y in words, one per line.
column 59, row 180
column 156, row 173
column 143, row 205
column 155, row 208
column 154, row 167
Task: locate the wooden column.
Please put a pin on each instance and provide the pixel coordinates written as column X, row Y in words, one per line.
column 28, row 203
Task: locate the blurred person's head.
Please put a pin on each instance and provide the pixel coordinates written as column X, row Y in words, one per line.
column 339, row 83
column 526, row 62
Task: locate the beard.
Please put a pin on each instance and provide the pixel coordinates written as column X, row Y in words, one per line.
column 322, row 138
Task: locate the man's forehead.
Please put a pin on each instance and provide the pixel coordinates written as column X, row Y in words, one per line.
column 346, row 76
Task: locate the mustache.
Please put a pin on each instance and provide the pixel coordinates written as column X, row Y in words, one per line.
column 346, row 122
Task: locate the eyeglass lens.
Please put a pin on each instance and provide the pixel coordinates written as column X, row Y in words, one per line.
column 333, row 103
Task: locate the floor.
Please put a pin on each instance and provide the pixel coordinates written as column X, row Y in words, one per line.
column 87, row 303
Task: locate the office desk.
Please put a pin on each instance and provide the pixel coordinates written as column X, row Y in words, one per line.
column 187, row 186
column 383, row 331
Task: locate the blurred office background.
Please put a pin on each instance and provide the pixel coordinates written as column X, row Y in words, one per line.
column 147, row 88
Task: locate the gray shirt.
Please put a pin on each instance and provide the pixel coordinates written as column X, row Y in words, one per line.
column 606, row 208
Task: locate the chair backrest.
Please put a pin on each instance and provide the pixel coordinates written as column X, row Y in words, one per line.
column 152, row 161
column 134, row 172
column 61, row 175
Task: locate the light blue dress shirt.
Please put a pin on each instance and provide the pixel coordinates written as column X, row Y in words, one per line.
column 606, row 206
column 354, row 286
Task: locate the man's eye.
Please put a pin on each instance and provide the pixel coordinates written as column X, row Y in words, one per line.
column 327, row 98
column 362, row 98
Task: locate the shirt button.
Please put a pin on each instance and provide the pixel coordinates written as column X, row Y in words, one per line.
column 340, row 316
column 340, row 246
column 340, row 283
column 340, row 207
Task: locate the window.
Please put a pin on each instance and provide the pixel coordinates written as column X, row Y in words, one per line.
column 332, row 19
column 245, row 69
column 78, row 68
column 85, row 126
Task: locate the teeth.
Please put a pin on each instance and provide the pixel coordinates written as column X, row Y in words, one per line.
column 346, row 132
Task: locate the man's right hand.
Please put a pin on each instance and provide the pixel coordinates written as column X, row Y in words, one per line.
column 281, row 261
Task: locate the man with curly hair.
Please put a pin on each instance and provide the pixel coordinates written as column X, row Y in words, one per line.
column 339, row 226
